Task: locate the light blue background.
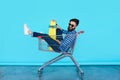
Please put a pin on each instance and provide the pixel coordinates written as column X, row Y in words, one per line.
column 100, row 19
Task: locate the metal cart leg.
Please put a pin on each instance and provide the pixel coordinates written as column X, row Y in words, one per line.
column 51, row 61
column 77, row 65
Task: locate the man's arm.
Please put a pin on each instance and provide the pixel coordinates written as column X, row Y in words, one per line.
column 80, row 32
column 59, row 27
column 63, row 31
column 59, row 42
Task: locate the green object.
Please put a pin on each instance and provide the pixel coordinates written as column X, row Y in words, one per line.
column 53, row 26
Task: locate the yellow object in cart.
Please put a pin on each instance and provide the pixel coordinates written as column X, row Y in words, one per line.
column 52, row 30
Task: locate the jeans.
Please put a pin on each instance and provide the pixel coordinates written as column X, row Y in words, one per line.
column 51, row 42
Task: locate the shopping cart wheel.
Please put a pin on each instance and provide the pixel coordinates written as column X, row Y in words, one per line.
column 40, row 74
column 82, row 75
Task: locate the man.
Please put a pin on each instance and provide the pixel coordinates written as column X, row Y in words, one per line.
column 60, row 45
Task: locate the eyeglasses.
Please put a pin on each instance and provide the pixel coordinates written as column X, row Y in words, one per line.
column 71, row 25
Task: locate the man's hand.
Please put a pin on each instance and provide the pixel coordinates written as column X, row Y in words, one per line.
column 59, row 27
column 58, row 41
column 80, row 32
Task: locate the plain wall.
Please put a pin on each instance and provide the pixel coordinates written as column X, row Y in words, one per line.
column 100, row 44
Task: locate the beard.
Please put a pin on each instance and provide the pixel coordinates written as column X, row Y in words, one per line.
column 70, row 29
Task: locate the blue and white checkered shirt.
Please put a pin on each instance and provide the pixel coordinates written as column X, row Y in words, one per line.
column 68, row 40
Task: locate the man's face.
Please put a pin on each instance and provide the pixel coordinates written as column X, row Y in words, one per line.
column 71, row 26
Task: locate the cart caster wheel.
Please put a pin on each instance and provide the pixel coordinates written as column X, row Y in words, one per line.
column 82, row 75
column 40, row 74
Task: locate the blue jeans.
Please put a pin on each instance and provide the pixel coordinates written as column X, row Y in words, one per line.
column 51, row 42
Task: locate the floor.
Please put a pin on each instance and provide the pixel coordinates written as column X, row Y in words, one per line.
column 59, row 73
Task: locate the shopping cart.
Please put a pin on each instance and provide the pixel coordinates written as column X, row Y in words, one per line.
column 45, row 47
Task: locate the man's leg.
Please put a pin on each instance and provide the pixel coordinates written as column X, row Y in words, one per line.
column 54, row 44
column 59, row 34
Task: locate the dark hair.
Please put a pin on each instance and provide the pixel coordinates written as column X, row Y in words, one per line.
column 75, row 20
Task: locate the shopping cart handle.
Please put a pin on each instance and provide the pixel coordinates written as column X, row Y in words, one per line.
column 39, row 37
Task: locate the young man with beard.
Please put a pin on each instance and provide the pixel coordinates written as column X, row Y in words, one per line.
column 60, row 45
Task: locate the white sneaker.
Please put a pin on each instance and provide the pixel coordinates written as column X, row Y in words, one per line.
column 26, row 29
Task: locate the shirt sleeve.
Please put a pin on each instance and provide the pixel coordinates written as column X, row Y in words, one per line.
column 64, row 31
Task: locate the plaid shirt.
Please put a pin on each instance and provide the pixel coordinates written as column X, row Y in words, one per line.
column 68, row 40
